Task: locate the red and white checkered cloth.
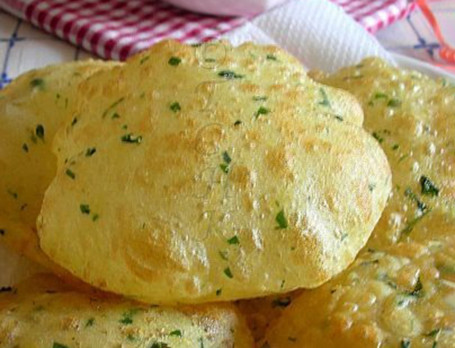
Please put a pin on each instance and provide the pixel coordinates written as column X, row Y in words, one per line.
column 114, row 29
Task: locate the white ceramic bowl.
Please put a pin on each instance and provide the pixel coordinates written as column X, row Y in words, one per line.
column 227, row 7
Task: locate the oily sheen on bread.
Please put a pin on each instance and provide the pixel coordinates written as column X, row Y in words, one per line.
column 186, row 177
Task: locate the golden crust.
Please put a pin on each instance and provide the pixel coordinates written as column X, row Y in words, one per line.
column 32, row 107
column 401, row 290
column 42, row 312
column 203, row 190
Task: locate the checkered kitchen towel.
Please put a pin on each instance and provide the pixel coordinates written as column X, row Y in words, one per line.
column 114, row 29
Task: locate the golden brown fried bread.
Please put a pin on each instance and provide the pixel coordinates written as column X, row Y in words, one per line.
column 43, row 313
column 182, row 183
column 31, row 109
column 401, row 296
column 413, row 118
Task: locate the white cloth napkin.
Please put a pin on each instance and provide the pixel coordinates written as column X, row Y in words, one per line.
column 317, row 32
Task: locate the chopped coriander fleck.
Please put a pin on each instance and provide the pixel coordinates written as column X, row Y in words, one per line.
column 127, row 317
column 37, row 82
column 132, row 139
column 90, row 152
column 95, row 217
column 115, row 115
column 233, row 240
column 175, row 106
column 125, row 127
column 292, row 339
column 228, row 273
column 130, row 337
column 144, row 59
column 226, row 157
column 74, row 121
column 12, row 194
column 229, row 75
column 380, row 95
column 281, row 302
column 371, row 187
column 428, row 187
column 417, row 291
column 224, row 167
column 405, row 344
column 2, row 232
column 25, row 147
column 282, row 284
column 90, row 322
column 433, row 333
column 210, row 60
column 85, row 209
column 223, row 255
column 39, row 131
column 218, row 292
column 420, row 205
column 377, row 137
column 281, row 220
column 159, row 345
column 112, row 106
column 259, row 98
column 325, row 99
column 261, row 111
column 395, row 147
column 411, row 224
column 177, row 333
column 237, row 123
column 339, row 118
column 271, row 57
column 70, row 173
column 174, row 61
column 393, row 103
column 58, row 345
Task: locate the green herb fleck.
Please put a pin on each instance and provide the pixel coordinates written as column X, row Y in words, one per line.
column 259, row 98
column 395, row 147
column 90, row 152
column 90, row 322
column 74, row 121
column 85, row 209
column 112, row 106
column 271, row 57
column 377, row 137
column 405, row 344
column 39, row 131
column 37, row 82
column 58, row 345
column 226, row 157
column 380, row 95
column 223, row 255
column 325, row 99
column 421, row 206
column 175, row 107
column 224, row 167
column 227, row 160
column 393, row 103
column 339, row 118
column 292, row 339
column 418, row 289
column 281, row 220
column 2, row 232
column 281, row 302
column 174, row 61
column 371, row 187
column 229, row 75
column 70, row 173
column 132, row 139
column 127, row 317
column 261, row 111
column 95, row 217
column 159, row 345
column 25, row 147
column 411, row 224
column 228, row 273
column 12, row 194
column 428, row 187
column 282, row 284
column 115, row 115
column 218, row 292
column 233, row 240
column 237, row 123
column 144, row 59
column 176, row 333
column 433, row 333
